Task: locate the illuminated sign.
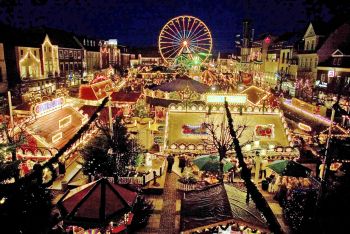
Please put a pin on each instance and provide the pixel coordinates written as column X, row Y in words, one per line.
column 112, row 42
column 265, row 131
column 238, row 99
column 331, row 73
column 304, row 127
column 48, row 106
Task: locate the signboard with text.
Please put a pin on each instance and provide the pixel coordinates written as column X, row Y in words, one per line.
column 238, row 99
column 48, row 106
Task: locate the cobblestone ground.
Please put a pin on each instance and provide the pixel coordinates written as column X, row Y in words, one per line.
column 166, row 217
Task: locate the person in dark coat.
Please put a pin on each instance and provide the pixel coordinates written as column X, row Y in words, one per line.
column 170, row 160
column 182, row 163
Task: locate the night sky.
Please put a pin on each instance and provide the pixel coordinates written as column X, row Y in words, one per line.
column 138, row 22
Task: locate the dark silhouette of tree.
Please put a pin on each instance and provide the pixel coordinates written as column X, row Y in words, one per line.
column 257, row 197
column 25, row 209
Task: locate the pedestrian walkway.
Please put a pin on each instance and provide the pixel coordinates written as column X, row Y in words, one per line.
column 166, row 216
column 276, row 209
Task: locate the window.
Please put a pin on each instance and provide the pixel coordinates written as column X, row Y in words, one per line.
column 282, row 57
column 70, row 67
column 79, row 54
column 66, row 54
column 70, row 54
column 335, row 61
column 339, row 61
column 75, row 67
column 287, row 56
column 307, row 45
column 66, row 67
column 61, row 67
column 44, row 48
column 312, row 45
column 61, row 54
column 75, row 54
column 21, row 52
column 84, row 42
column 316, row 62
column 50, row 49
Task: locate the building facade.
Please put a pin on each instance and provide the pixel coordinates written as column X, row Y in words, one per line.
column 92, row 54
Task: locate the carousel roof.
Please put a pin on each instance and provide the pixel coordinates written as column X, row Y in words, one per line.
column 96, row 203
column 181, row 83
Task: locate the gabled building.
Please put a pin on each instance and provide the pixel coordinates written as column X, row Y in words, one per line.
column 309, row 54
column 33, row 62
column 333, row 71
column 71, row 58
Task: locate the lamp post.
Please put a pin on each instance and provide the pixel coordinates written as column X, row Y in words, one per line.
column 109, row 91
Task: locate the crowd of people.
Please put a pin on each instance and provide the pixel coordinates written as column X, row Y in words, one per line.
column 283, row 185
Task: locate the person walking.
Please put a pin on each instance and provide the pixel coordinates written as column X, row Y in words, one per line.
column 170, row 160
column 182, row 163
column 263, row 166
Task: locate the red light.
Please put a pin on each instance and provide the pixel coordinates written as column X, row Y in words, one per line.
column 267, row 40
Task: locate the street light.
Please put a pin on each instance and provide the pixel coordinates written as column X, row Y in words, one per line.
column 109, row 91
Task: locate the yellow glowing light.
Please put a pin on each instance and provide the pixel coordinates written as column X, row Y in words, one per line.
column 2, row 201
column 231, row 99
column 304, row 127
column 185, row 43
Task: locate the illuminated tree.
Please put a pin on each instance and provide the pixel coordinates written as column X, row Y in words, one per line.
column 108, row 155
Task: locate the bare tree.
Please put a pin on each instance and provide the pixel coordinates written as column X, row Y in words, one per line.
column 219, row 136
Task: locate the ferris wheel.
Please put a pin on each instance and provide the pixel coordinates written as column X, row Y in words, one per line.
column 185, row 35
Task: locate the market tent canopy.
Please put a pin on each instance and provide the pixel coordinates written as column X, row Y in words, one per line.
column 211, row 163
column 218, row 205
column 289, row 168
column 244, row 213
column 96, row 203
column 204, row 208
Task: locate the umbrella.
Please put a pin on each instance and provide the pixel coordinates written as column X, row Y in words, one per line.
column 289, row 168
column 211, row 163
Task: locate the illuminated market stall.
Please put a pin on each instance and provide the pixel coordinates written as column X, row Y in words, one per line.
column 266, row 132
column 54, row 124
